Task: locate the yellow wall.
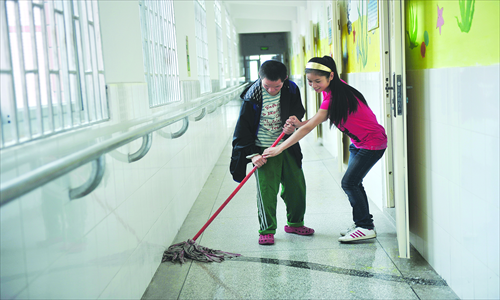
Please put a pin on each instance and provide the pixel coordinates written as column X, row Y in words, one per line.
column 360, row 47
column 430, row 48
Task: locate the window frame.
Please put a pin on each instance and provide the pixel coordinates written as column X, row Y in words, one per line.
column 160, row 45
column 51, row 69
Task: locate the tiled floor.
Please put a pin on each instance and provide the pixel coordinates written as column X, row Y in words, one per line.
column 295, row 267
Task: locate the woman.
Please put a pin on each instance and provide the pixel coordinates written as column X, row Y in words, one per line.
column 346, row 108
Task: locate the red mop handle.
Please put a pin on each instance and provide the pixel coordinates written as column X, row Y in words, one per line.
column 234, row 193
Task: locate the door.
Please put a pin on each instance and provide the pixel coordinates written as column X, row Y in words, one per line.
column 392, row 24
column 317, row 96
column 337, row 56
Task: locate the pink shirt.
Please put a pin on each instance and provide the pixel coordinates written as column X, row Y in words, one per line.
column 362, row 127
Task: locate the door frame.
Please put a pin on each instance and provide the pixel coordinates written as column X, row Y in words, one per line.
column 392, row 29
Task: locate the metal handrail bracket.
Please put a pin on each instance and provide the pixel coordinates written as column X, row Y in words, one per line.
column 179, row 133
column 98, row 167
column 147, row 140
column 201, row 115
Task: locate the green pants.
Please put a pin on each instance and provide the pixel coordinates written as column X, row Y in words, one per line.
column 280, row 169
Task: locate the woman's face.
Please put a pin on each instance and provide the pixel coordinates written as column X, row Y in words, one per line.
column 319, row 83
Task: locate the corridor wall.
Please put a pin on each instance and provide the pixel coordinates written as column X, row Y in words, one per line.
column 453, row 56
column 108, row 244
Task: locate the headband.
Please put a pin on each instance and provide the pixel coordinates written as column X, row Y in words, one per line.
column 317, row 66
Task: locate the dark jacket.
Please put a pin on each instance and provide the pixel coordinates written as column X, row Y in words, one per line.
column 247, row 126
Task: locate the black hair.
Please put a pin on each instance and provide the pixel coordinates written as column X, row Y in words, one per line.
column 343, row 96
column 273, row 70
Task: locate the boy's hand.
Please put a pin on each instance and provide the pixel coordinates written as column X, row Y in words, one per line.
column 288, row 128
column 259, row 161
column 293, row 121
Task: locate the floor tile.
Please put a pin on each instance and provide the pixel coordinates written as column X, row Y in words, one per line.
column 295, row 267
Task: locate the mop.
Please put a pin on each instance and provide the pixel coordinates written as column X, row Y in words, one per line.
column 190, row 249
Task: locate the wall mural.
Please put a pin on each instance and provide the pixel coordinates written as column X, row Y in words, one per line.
column 466, row 13
column 440, row 20
column 360, row 36
column 433, row 42
column 413, row 24
column 362, row 45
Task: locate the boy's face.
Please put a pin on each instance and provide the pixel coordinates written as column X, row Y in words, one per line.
column 272, row 87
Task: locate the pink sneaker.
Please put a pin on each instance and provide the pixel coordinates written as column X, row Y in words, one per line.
column 302, row 230
column 266, row 239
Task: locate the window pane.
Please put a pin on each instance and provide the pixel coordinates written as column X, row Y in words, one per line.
column 51, row 68
column 202, row 47
column 160, row 51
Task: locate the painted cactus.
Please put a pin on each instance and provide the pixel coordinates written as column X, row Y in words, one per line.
column 467, row 13
column 362, row 48
column 413, row 30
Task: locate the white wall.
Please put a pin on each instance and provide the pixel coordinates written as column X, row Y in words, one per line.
column 453, row 130
column 185, row 27
column 213, row 62
column 122, row 41
column 108, row 244
column 251, row 26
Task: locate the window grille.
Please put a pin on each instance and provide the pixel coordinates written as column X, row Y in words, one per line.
column 161, row 68
column 220, row 47
column 51, row 68
column 202, row 46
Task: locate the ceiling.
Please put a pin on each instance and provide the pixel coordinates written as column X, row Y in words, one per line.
column 260, row 16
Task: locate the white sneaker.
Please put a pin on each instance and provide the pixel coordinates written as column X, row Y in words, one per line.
column 358, row 234
column 345, row 231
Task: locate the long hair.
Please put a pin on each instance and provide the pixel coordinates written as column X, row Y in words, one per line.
column 343, row 96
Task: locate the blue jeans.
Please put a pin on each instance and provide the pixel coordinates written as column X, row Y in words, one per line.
column 360, row 162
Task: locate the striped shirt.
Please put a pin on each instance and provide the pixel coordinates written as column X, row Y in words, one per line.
column 270, row 120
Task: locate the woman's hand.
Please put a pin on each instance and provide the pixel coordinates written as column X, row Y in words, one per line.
column 258, row 161
column 293, row 121
column 270, row 152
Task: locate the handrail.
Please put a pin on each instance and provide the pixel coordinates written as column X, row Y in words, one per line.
column 27, row 182
column 147, row 140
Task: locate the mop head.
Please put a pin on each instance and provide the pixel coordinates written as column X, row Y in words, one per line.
column 190, row 249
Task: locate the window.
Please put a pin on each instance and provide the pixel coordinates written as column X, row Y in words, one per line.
column 51, row 68
column 160, row 52
column 235, row 46
column 220, row 46
column 202, row 46
column 229, row 48
column 253, row 62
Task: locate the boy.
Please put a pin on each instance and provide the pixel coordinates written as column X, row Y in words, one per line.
column 267, row 104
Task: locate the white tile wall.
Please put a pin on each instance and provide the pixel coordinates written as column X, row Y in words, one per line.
column 109, row 243
column 456, row 112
